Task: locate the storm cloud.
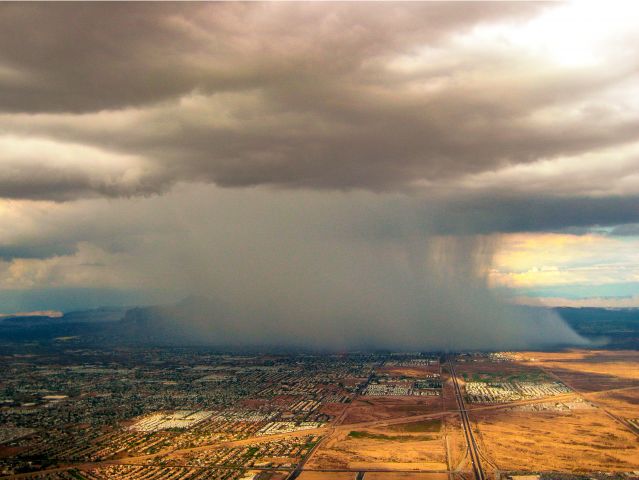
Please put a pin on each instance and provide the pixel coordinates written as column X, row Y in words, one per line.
column 129, row 99
column 347, row 270
column 318, row 166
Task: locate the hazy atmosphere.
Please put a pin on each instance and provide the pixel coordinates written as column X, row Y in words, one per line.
column 334, row 175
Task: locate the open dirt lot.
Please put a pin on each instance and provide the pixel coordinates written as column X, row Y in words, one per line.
column 381, row 408
column 499, row 371
column 333, row 409
column 405, row 476
column 449, row 400
column 454, row 441
column 590, row 370
column 586, row 440
column 409, row 372
column 403, row 447
column 624, row 403
column 327, row 476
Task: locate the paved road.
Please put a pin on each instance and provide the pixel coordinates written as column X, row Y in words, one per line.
column 296, row 473
column 475, row 460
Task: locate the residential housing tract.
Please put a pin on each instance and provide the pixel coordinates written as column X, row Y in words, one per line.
column 187, row 413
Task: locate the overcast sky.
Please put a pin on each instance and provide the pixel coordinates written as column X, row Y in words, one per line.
column 267, row 150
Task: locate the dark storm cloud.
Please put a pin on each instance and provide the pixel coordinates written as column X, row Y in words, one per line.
column 119, row 225
column 388, row 217
column 322, row 96
column 71, row 57
column 488, row 215
column 626, row 230
column 47, row 250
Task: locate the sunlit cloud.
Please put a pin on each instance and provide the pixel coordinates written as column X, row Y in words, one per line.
column 541, row 260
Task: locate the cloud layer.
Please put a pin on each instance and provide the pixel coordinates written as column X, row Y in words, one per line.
column 403, row 97
column 346, row 163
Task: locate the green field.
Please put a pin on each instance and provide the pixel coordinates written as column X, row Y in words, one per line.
column 394, row 438
column 423, row 426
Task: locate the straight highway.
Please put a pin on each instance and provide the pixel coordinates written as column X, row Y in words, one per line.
column 473, row 450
